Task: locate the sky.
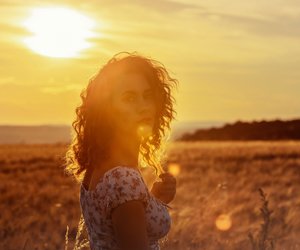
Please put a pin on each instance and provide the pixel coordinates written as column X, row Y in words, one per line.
column 234, row 60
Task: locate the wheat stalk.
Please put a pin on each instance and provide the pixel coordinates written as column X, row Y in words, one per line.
column 25, row 244
column 79, row 244
column 67, row 238
column 261, row 242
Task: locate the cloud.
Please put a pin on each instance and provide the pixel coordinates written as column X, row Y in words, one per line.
column 275, row 26
column 157, row 5
column 264, row 22
column 61, row 89
column 7, row 80
column 13, row 29
column 161, row 6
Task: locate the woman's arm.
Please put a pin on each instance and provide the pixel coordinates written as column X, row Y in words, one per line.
column 164, row 190
column 129, row 222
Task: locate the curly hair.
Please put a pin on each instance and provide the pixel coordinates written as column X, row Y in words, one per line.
column 93, row 127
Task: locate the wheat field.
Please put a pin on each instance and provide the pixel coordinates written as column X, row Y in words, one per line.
column 217, row 203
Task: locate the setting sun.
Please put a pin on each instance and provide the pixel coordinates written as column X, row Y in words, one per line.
column 58, row 32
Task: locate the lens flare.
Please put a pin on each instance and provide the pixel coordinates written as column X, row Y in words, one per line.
column 223, row 222
column 174, row 169
column 144, row 131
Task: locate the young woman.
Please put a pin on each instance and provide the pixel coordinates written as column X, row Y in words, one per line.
column 120, row 127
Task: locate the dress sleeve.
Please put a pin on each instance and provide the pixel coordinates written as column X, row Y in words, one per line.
column 125, row 184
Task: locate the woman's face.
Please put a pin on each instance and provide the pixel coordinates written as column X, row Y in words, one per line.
column 133, row 100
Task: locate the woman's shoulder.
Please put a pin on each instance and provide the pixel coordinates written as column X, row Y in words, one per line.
column 115, row 174
column 124, row 168
column 125, row 178
column 122, row 172
column 123, row 184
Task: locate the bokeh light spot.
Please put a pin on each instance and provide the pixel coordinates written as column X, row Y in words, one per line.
column 223, row 222
column 144, row 131
column 174, row 169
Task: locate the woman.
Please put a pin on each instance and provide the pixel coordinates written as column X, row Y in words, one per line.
column 125, row 113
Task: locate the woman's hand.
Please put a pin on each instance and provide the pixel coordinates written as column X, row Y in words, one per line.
column 165, row 190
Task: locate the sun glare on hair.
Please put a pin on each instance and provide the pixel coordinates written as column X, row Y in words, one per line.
column 58, row 32
column 144, row 131
column 223, row 222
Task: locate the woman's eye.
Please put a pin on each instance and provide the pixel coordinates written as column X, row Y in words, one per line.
column 129, row 99
column 132, row 98
column 150, row 96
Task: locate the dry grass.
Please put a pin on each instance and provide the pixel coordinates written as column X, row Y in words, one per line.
column 40, row 205
column 262, row 241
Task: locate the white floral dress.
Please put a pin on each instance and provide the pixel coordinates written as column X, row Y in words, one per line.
column 118, row 185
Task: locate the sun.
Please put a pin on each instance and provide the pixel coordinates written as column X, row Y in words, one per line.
column 58, row 31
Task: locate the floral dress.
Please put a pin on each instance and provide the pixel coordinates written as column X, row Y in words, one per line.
column 119, row 185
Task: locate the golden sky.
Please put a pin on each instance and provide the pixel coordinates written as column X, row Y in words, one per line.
column 233, row 59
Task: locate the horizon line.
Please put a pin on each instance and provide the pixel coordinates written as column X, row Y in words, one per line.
column 184, row 121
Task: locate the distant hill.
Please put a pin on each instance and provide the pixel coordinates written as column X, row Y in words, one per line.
column 257, row 130
column 11, row 134
column 180, row 128
column 34, row 134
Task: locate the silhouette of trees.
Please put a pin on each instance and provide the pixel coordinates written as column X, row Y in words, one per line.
column 256, row 130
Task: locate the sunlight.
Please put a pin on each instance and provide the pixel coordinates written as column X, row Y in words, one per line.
column 144, row 131
column 58, row 32
column 223, row 222
column 174, row 169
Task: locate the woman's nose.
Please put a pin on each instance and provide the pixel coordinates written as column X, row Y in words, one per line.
column 144, row 104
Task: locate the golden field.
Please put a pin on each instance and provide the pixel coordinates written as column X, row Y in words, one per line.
column 216, row 206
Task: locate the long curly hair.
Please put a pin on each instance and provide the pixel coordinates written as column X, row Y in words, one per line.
column 93, row 127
